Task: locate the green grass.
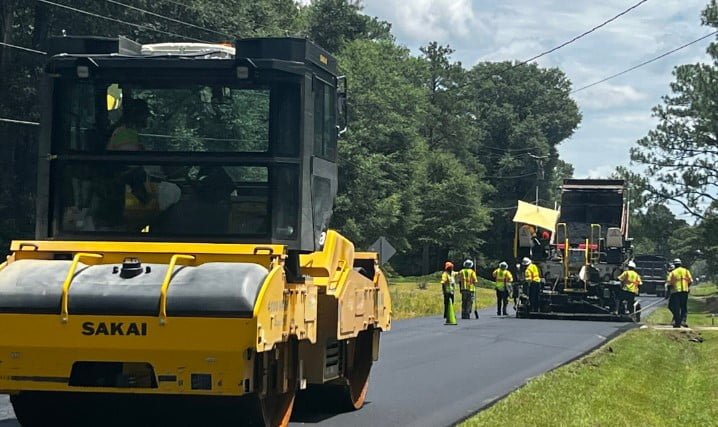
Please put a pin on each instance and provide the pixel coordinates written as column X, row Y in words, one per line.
column 702, row 302
column 643, row 378
column 409, row 300
column 703, row 290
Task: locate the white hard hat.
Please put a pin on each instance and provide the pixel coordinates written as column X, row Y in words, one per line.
column 677, row 261
column 468, row 263
column 526, row 261
column 503, row 265
column 631, row 264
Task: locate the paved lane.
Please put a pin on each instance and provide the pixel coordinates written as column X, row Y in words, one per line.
column 429, row 374
column 434, row 375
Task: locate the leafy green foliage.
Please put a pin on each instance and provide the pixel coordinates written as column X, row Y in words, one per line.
column 451, row 206
column 681, row 153
column 378, row 156
column 335, row 23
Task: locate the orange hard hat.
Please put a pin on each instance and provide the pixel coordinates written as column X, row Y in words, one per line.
column 448, row 265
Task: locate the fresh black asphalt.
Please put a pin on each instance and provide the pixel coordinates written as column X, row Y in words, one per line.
column 430, row 374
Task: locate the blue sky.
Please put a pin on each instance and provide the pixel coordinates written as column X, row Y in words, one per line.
column 615, row 114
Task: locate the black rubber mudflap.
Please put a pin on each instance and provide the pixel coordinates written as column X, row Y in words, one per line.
column 42, row 409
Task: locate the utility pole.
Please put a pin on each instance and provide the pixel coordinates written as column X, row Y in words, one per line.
column 539, row 173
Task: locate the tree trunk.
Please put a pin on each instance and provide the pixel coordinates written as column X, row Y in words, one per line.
column 425, row 260
column 7, row 13
column 41, row 26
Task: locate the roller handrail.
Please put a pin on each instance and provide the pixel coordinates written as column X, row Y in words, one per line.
column 559, row 226
column 166, row 283
column 65, row 300
column 596, row 240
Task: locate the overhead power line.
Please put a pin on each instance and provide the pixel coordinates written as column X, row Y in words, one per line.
column 147, row 12
column 19, row 122
column 644, row 63
column 585, row 33
column 564, row 44
column 119, row 21
column 510, row 150
column 26, row 49
column 509, row 176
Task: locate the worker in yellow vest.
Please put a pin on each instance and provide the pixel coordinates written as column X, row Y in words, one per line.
column 468, row 288
column 533, row 281
column 503, row 278
column 631, row 282
column 680, row 281
column 448, row 283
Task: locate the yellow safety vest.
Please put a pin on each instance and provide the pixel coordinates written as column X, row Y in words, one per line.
column 532, row 273
column 447, row 282
column 631, row 279
column 468, row 279
column 124, row 139
column 680, row 279
column 502, row 277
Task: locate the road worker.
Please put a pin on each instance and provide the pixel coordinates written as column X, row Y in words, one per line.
column 125, row 136
column 667, row 286
column 503, row 278
column 448, row 283
column 468, row 287
column 533, row 281
column 630, row 281
column 680, row 281
column 516, row 288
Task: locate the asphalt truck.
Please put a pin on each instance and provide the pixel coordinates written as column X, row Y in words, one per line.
column 587, row 248
column 183, row 272
column 654, row 271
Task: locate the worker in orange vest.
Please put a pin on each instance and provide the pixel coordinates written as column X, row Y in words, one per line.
column 448, row 283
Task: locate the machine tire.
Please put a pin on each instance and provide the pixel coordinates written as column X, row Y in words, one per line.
column 27, row 414
column 275, row 409
column 637, row 314
column 348, row 392
column 358, row 375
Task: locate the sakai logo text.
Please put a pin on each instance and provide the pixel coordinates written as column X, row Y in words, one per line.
column 114, row 328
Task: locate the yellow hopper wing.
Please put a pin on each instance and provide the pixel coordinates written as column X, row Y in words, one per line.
column 536, row 215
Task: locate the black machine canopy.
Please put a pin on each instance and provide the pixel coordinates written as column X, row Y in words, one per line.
column 192, row 145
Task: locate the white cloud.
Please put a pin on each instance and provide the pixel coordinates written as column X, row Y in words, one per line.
column 608, row 96
column 419, row 22
column 603, row 171
column 628, row 120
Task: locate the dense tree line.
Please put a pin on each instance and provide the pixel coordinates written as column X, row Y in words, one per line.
column 437, row 153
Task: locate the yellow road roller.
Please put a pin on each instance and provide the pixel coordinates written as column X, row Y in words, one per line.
column 183, row 272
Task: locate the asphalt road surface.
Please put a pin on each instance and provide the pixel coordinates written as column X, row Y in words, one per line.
column 429, row 374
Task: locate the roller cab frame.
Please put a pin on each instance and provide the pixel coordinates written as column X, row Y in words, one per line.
column 183, row 263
